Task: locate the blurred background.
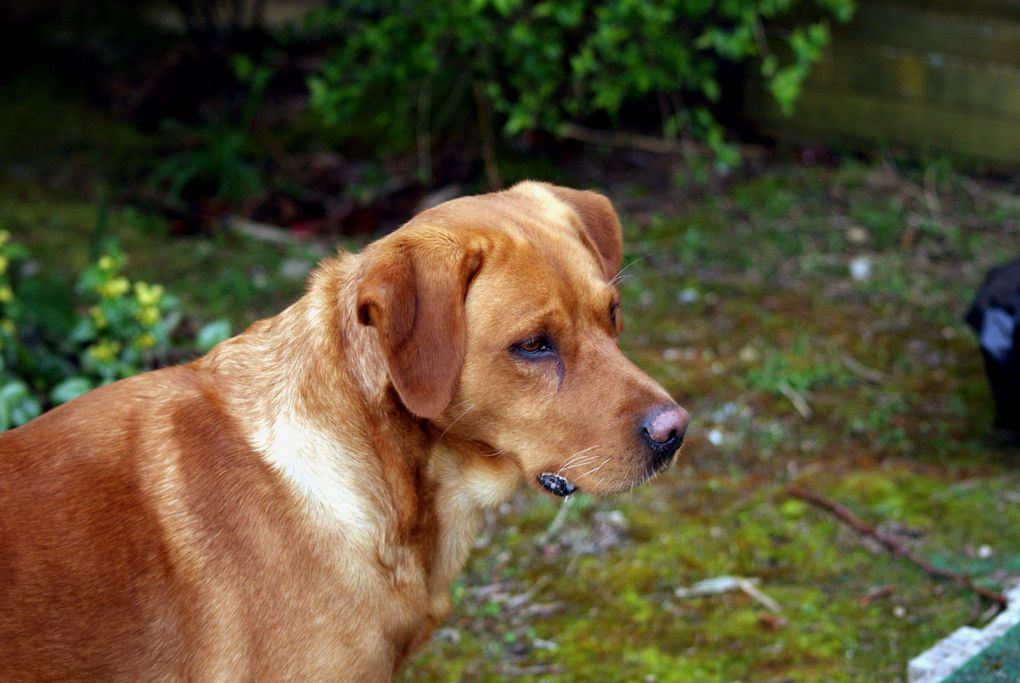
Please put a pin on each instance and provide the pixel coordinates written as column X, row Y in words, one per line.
column 811, row 195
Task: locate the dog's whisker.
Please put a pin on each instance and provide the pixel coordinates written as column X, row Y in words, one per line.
column 578, row 459
column 580, row 463
column 616, row 278
column 596, row 469
column 578, row 456
column 581, row 452
column 450, row 426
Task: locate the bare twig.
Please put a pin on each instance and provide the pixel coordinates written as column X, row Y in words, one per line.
column 876, row 594
column 557, row 523
column 895, row 545
column 515, row 601
column 727, row 584
column 644, row 143
column 863, row 371
column 797, row 399
column 488, row 138
column 931, row 192
column 536, row 670
column 261, row 231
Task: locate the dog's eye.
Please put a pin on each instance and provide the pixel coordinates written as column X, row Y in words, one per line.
column 533, row 346
column 614, row 316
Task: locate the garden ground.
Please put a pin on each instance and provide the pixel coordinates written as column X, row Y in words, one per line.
column 810, row 320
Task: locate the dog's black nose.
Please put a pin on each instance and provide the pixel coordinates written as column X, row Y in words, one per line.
column 662, row 430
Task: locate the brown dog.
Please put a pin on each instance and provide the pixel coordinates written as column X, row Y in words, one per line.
column 295, row 504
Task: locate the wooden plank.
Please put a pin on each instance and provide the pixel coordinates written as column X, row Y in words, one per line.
column 823, row 114
column 990, row 8
column 935, row 30
column 954, row 82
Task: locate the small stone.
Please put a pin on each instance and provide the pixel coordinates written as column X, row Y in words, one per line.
column 671, row 354
column 687, row 296
column 860, row 268
column 449, row 635
column 856, row 235
column 294, row 268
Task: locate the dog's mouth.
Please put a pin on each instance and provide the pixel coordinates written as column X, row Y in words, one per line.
column 555, row 484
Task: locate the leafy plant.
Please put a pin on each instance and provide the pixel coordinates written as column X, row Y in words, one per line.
column 218, row 158
column 544, row 64
column 216, row 162
column 125, row 322
column 119, row 329
column 17, row 404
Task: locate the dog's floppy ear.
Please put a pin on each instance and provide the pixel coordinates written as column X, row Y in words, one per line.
column 600, row 223
column 412, row 292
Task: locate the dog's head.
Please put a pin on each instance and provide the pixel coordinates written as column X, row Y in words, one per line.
column 497, row 318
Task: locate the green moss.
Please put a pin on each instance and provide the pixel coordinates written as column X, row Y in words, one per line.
column 726, row 303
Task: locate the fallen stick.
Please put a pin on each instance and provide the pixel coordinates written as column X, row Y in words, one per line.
column 646, row 143
column 876, row 594
column 726, row 584
column 797, row 399
column 895, row 545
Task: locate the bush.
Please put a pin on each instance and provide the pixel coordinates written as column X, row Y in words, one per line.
column 119, row 329
column 218, row 159
column 405, row 68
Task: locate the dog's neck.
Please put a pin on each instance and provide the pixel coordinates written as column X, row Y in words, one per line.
column 432, row 487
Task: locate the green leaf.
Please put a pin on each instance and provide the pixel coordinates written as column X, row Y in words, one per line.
column 212, row 334
column 13, row 392
column 70, row 388
column 25, row 410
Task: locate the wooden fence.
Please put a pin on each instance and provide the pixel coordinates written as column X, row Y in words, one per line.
column 938, row 76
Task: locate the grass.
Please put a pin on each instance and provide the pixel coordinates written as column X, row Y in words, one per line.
column 869, row 391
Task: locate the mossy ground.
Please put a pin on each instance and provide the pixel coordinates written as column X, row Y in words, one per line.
column 741, row 302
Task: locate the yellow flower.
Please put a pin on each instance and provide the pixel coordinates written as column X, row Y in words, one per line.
column 147, row 315
column 105, row 351
column 5, row 294
column 112, row 289
column 106, row 263
column 4, row 236
column 148, row 295
column 146, row 341
column 98, row 317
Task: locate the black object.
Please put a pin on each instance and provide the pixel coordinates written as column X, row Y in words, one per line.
column 995, row 317
column 556, row 484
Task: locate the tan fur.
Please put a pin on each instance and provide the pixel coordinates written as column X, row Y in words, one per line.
column 295, row 504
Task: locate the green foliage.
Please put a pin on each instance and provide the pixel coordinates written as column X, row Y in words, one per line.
column 126, row 321
column 797, row 370
column 115, row 329
column 216, row 162
column 543, row 64
column 17, row 404
column 212, row 333
column 219, row 158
